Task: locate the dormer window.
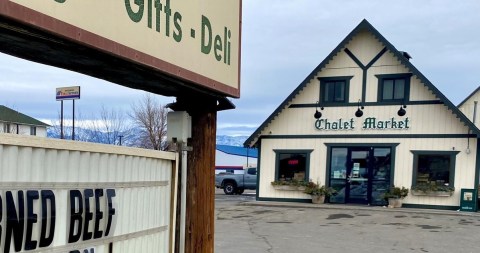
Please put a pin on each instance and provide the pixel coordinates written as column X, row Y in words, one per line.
column 394, row 87
column 334, row 90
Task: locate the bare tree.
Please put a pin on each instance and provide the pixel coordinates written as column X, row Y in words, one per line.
column 150, row 119
column 110, row 128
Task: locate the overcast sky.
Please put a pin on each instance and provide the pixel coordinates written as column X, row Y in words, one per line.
column 283, row 41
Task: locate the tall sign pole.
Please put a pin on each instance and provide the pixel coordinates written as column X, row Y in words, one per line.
column 73, row 121
column 67, row 93
column 61, row 120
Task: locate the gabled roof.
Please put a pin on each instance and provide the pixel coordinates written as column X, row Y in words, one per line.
column 11, row 116
column 239, row 151
column 363, row 26
column 469, row 96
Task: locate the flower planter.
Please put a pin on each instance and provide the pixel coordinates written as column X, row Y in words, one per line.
column 318, row 199
column 288, row 188
column 394, row 203
column 433, row 193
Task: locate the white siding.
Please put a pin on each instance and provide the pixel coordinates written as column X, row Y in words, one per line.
column 24, row 129
column 403, row 167
column 224, row 159
column 144, row 183
column 468, row 108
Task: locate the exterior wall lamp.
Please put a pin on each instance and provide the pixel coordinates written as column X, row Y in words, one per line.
column 317, row 114
column 359, row 112
column 401, row 112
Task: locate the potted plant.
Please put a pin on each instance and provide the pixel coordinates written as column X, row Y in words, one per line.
column 395, row 196
column 433, row 189
column 318, row 192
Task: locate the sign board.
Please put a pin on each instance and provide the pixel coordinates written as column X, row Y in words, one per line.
column 68, row 93
column 197, row 40
column 75, row 197
column 369, row 123
column 468, row 200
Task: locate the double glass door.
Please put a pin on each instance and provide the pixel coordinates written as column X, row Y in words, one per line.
column 360, row 174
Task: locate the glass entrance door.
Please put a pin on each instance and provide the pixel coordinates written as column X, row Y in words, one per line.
column 360, row 174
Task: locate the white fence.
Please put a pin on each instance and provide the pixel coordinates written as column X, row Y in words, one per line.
column 66, row 196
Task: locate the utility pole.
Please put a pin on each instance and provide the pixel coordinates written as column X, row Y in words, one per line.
column 200, row 195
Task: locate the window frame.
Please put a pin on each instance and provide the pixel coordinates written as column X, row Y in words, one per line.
column 323, row 84
column 406, row 90
column 6, row 128
column 306, row 152
column 33, row 130
column 452, row 154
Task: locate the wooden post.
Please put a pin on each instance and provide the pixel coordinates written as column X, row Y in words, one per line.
column 200, row 213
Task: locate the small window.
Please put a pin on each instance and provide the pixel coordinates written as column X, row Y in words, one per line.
column 252, row 171
column 292, row 165
column 434, row 167
column 6, row 128
column 394, row 87
column 334, row 90
column 33, row 130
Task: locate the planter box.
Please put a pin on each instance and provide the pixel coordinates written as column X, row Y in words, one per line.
column 395, row 203
column 432, row 194
column 288, row 188
column 317, row 199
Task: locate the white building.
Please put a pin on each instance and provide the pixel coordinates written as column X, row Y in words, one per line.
column 364, row 120
column 469, row 107
column 15, row 122
column 233, row 156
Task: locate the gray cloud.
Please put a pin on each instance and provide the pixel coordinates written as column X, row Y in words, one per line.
column 282, row 42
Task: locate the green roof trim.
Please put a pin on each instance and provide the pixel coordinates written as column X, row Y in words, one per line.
column 11, row 116
column 364, row 25
column 469, row 96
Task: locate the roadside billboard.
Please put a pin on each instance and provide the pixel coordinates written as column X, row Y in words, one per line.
column 197, row 41
column 68, row 93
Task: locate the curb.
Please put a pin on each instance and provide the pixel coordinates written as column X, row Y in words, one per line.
column 359, row 207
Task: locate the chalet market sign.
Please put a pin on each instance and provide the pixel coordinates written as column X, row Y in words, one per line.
column 195, row 40
column 367, row 124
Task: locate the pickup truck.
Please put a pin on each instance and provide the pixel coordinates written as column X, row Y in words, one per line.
column 237, row 183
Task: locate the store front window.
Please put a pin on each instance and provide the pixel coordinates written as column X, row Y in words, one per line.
column 434, row 167
column 292, row 165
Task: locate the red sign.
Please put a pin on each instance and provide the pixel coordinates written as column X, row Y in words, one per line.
column 293, row 162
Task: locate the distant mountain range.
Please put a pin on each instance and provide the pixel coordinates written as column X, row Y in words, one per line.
column 103, row 137
column 231, row 140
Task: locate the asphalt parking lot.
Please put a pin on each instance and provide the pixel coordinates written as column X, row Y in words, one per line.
column 244, row 225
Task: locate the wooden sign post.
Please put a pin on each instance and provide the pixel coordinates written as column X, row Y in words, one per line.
column 200, row 210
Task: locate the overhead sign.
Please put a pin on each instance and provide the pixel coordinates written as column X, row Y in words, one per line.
column 68, row 93
column 369, row 123
column 196, row 40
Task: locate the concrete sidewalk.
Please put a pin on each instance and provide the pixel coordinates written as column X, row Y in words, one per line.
column 359, row 207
